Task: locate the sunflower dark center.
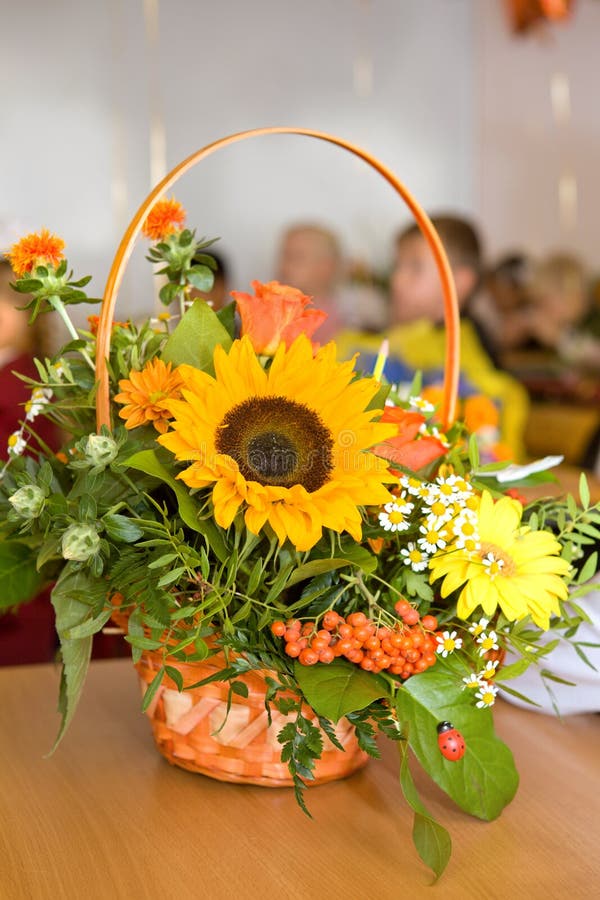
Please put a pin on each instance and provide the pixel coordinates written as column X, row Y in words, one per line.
column 277, row 441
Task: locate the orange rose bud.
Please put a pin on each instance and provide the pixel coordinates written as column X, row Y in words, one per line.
column 35, row 250
column 276, row 314
column 407, row 448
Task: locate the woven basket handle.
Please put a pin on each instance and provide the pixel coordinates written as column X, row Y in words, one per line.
column 117, row 270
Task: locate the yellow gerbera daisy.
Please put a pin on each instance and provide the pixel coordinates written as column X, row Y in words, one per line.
column 144, row 393
column 287, row 445
column 514, row 568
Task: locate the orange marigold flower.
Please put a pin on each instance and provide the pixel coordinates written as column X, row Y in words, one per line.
column 276, row 314
column 35, row 250
column 165, row 218
column 143, row 395
column 94, row 321
column 480, row 412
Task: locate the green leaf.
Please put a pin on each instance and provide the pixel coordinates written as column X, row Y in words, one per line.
column 589, row 569
column 505, row 673
column 226, row 316
column 121, row 528
column 584, row 491
column 152, row 688
column 201, row 277
column 432, row 841
column 19, row 579
column 363, row 560
column 194, row 340
column 485, row 779
column 70, row 613
column 338, row 688
column 169, row 292
column 90, row 626
column 176, row 676
column 147, row 461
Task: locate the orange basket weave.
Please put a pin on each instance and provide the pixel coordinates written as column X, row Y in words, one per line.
column 190, row 727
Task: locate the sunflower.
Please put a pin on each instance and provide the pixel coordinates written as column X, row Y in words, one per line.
column 144, row 393
column 514, row 568
column 287, row 445
column 35, row 250
column 165, row 218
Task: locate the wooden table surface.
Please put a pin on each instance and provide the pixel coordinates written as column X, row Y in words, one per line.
column 107, row 817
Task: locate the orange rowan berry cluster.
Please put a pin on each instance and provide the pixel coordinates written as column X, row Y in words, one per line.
column 403, row 650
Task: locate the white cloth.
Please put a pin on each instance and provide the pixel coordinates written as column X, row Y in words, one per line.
column 564, row 662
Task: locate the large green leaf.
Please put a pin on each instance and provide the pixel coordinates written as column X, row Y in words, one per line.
column 19, row 578
column 71, row 612
column 485, row 779
column 432, row 841
column 336, row 689
column 194, row 340
column 147, row 461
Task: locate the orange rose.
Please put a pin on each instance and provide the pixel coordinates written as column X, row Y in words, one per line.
column 276, row 314
column 407, row 448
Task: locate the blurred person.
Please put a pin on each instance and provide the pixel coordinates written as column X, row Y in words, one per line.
column 560, row 301
column 310, row 259
column 502, row 309
column 417, row 334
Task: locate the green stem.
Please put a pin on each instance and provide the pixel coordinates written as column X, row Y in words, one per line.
column 59, row 307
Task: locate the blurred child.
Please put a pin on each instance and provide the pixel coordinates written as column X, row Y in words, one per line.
column 417, row 335
column 561, row 306
column 503, row 309
column 310, row 259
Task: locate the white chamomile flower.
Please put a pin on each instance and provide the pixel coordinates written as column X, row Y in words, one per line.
column 489, row 671
column 465, row 531
column 486, row 696
column 433, row 536
column 478, row 627
column 414, row 557
column 438, row 508
column 440, row 436
column 396, row 516
column 493, row 565
column 422, row 405
column 447, row 643
column 447, row 487
column 411, row 484
column 487, row 641
column 473, row 682
column 16, row 443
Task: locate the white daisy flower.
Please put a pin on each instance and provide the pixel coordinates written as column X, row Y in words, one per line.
column 489, row 671
column 433, row 537
column 411, row 484
column 465, row 531
column 16, row 443
column 486, row 696
column 414, row 557
column 439, row 509
column 422, row 405
column 478, row 627
column 440, row 436
column 493, row 565
column 396, row 516
column 473, row 682
column 447, row 643
column 487, row 641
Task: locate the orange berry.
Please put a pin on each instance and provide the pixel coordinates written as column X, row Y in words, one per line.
column 430, row 623
column 402, row 607
column 344, row 646
column 291, row 634
column 345, row 630
column 317, row 644
column 295, row 624
column 362, row 633
column 383, row 633
column 357, row 619
column 367, row 664
column 418, row 639
column 278, row 629
column 293, row 649
column 308, row 657
column 308, row 628
column 412, row 656
column 330, row 620
column 396, row 640
column 405, row 642
column 355, row 656
column 324, row 635
column 421, row 665
column 326, row 655
column 385, row 662
column 411, row 617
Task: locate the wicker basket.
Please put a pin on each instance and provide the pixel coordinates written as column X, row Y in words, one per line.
column 190, row 728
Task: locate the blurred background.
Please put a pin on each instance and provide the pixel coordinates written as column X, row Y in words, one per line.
column 485, row 108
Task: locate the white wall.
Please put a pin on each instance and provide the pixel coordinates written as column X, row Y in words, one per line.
column 521, row 150
column 75, row 120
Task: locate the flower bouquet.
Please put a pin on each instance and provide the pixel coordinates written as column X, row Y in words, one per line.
column 300, row 559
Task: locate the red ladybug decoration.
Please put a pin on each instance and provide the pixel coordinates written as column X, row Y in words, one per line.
column 450, row 741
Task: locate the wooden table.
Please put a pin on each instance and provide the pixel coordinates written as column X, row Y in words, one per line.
column 107, row 817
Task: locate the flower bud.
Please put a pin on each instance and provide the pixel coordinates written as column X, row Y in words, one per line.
column 28, row 501
column 80, row 542
column 100, row 450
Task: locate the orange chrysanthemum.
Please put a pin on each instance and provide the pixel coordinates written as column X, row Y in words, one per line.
column 35, row 250
column 143, row 394
column 165, row 218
